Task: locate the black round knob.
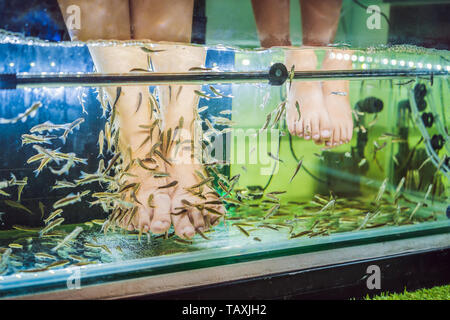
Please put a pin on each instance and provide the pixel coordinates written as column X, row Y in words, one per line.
column 420, row 90
column 278, row 74
column 428, row 119
column 370, row 105
column 421, row 104
column 437, row 142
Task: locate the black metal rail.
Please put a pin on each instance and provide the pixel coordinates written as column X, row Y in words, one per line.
column 276, row 75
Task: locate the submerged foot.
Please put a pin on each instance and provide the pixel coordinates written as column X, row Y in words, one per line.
column 336, row 98
column 195, row 206
column 306, row 114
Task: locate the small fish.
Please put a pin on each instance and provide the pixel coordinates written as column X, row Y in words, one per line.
column 71, row 198
column 15, row 246
column 20, row 188
column 291, row 76
column 299, row 165
column 415, row 210
column 139, row 102
column 272, row 211
column 48, row 126
column 53, row 215
column 98, row 221
column 243, row 231
column 399, row 187
column 274, row 157
column 17, row 205
column 381, row 190
column 331, row 203
column 201, row 183
column 71, row 126
column 339, row 93
column 266, row 124
column 362, row 162
column 430, row 187
column 199, row 69
column 59, row 263
column 30, row 138
column 43, row 255
column 217, row 93
column 297, row 106
column 99, row 246
column 51, row 225
column 203, row 95
column 183, row 241
column 63, row 184
column 76, row 258
column 101, row 140
column 108, row 136
column 424, row 163
column 202, row 109
column 147, row 50
column 303, row 233
column 31, row 111
column 201, row 234
column 170, row 185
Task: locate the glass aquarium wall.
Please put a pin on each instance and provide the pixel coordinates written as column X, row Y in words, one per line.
column 71, row 193
column 62, row 187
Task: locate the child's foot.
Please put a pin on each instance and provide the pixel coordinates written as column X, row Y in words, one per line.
column 336, row 97
column 306, row 114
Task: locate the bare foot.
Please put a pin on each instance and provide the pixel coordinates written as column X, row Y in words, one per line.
column 139, row 184
column 306, row 114
column 146, row 177
column 194, row 204
column 336, row 98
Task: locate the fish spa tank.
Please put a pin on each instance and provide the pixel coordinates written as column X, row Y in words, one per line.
column 289, row 218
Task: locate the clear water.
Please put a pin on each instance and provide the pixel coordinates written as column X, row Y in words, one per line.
column 350, row 176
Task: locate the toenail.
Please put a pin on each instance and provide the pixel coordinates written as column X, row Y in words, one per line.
column 307, row 137
column 316, row 137
column 328, row 143
column 325, row 133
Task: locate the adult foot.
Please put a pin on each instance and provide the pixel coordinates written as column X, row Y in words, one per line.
column 194, row 204
column 306, row 114
column 336, row 98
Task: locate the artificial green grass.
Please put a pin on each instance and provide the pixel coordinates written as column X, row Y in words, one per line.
column 436, row 293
